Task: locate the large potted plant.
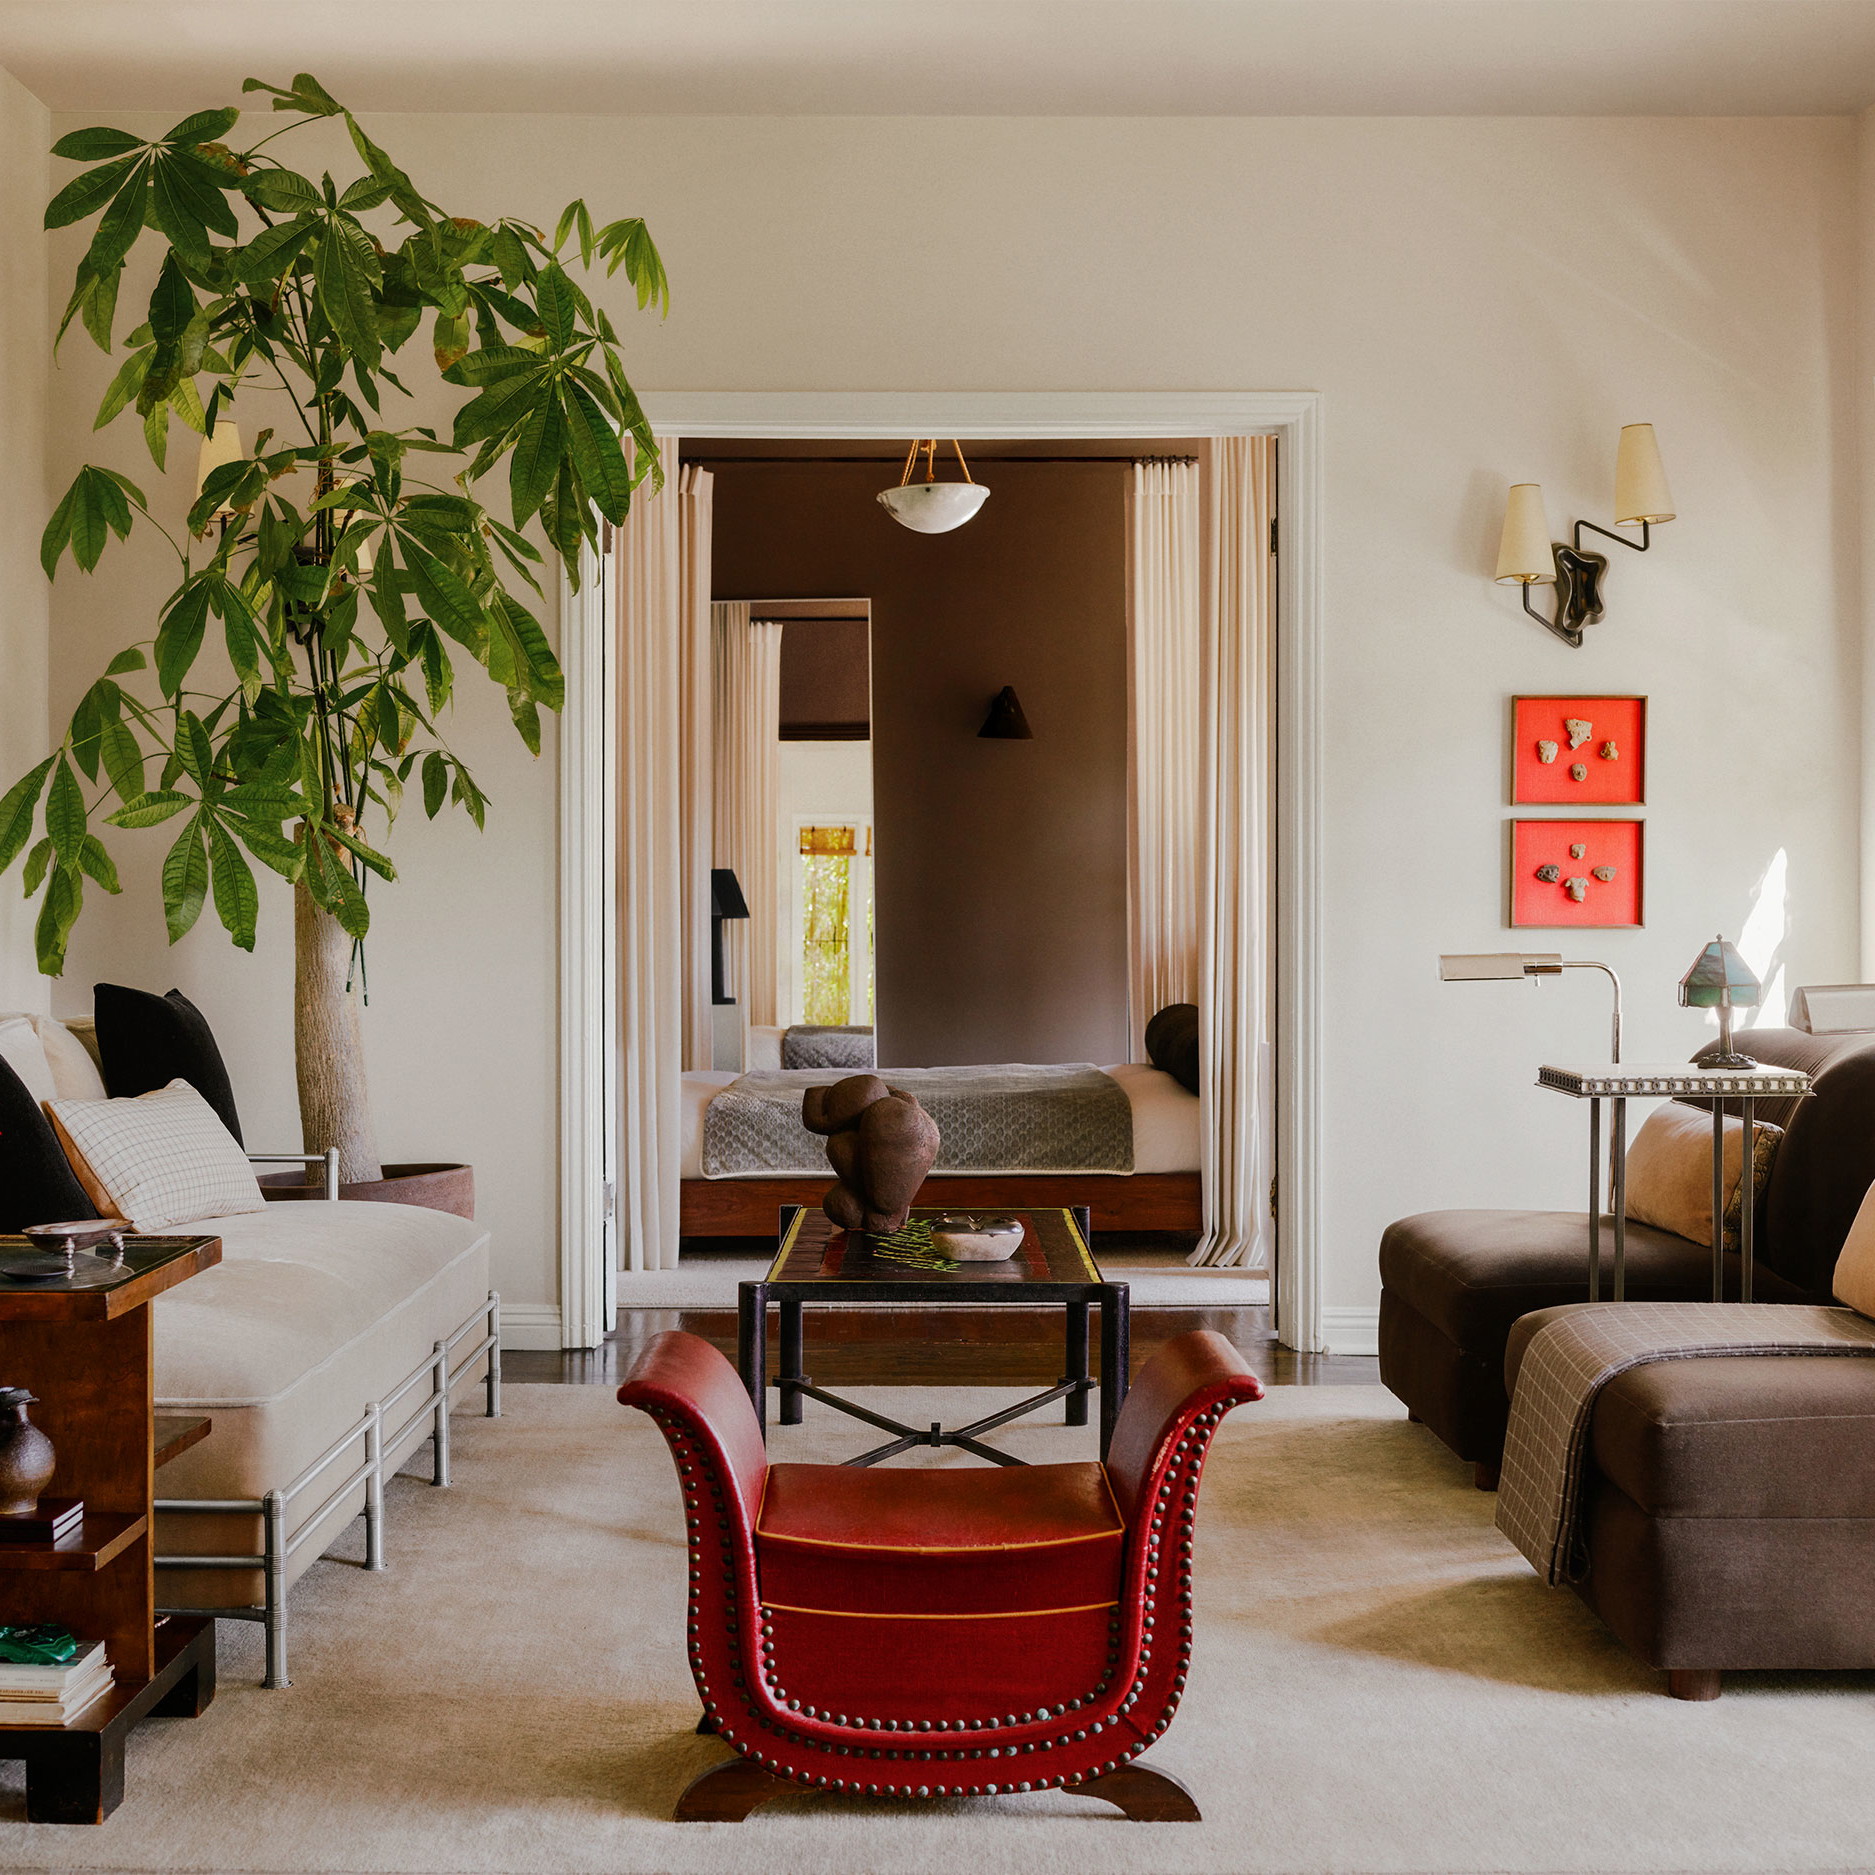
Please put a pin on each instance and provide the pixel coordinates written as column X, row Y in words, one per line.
column 347, row 565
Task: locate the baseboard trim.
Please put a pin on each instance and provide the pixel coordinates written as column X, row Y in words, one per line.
column 1351, row 1331
column 531, row 1327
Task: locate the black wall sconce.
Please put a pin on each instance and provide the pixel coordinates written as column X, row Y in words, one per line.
column 1005, row 721
column 1527, row 557
column 726, row 901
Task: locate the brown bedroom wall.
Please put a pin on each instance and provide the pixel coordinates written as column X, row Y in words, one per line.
column 1000, row 866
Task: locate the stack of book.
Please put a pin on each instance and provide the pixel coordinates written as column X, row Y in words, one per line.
column 53, row 1695
column 55, row 1518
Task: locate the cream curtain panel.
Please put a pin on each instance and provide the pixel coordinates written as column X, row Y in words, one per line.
column 696, row 679
column 1236, row 668
column 1165, row 750
column 747, row 787
column 648, row 559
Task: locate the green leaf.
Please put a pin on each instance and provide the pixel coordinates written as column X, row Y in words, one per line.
column 172, row 305
column 58, row 534
column 445, row 599
column 526, row 714
column 16, row 811
column 149, row 810
column 94, row 145
column 554, row 296
column 284, row 191
column 237, row 899
column 272, row 252
column 33, row 873
column 185, row 879
column 204, row 126
column 435, row 784
column 121, row 223
column 125, row 386
column 274, row 850
column 345, row 269
column 596, row 454
column 85, row 195
column 546, row 683
column 492, row 363
column 628, row 244
column 194, row 750
column 95, row 860
column 368, row 854
column 65, row 815
column 535, row 460
column 502, row 406
column 184, row 208
column 129, row 660
column 122, row 754
column 402, row 191
column 306, row 94
column 179, row 636
column 366, row 192
column 58, row 912
column 452, row 339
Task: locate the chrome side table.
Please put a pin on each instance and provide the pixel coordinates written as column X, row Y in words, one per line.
column 1712, row 1086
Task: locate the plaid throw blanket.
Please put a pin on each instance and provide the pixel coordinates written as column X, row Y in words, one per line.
column 1572, row 1358
column 1016, row 1118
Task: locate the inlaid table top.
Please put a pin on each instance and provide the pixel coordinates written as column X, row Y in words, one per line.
column 1053, row 1256
column 99, row 1289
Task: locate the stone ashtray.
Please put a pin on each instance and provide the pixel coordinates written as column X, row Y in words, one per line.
column 976, row 1239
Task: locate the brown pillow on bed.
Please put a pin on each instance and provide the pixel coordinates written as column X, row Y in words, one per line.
column 1172, row 1043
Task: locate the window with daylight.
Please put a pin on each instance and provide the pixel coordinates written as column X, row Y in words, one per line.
column 836, row 925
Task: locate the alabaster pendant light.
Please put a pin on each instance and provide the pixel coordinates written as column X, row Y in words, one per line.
column 931, row 506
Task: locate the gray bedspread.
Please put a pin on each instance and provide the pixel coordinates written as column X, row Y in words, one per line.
column 1014, row 1118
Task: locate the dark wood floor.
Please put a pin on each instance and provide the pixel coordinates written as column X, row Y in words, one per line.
column 948, row 1347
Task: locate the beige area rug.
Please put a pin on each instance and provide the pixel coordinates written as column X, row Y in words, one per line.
column 1380, row 1684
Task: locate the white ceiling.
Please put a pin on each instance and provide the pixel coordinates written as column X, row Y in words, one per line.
column 973, row 57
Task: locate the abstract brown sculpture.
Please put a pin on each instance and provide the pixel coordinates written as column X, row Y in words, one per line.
column 880, row 1143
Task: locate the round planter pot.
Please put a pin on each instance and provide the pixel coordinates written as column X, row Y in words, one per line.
column 437, row 1187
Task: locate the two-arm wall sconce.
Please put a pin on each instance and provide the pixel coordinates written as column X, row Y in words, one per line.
column 1527, row 557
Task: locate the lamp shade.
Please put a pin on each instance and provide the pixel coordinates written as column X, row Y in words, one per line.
column 726, row 900
column 1524, row 554
column 1006, row 722
column 933, row 507
column 1719, row 979
column 1641, row 491
column 223, row 446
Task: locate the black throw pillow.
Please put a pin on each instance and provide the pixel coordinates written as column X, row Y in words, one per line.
column 1172, row 1043
column 37, row 1183
column 147, row 1041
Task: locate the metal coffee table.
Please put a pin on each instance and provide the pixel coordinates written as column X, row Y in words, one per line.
column 817, row 1263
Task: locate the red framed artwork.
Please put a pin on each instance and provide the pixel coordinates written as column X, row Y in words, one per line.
column 1576, row 873
column 1578, row 751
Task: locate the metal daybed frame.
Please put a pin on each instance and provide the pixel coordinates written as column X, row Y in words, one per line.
column 443, row 1369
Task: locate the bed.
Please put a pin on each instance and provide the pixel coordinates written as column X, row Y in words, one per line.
column 1160, row 1193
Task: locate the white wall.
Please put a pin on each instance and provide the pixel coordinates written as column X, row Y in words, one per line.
column 1480, row 300
column 817, row 781
column 25, row 133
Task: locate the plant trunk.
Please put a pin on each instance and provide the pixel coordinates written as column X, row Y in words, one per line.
column 329, row 1053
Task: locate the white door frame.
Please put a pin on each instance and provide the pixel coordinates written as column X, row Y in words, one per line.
column 588, row 769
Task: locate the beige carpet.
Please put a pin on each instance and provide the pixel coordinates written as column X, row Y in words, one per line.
column 1380, row 1684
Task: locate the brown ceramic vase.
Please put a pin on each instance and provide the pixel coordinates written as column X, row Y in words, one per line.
column 26, row 1456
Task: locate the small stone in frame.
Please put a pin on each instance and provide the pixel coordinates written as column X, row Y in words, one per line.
column 1578, row 889
column 1546, row 751
column 1577, row 852
column 1549, row 874
column 1577, row 772
column 1605, row 874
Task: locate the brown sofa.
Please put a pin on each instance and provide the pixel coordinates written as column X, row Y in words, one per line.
column 1728, row 1510
column 1454, row 1282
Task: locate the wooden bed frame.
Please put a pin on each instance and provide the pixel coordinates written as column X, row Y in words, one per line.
column 1140, row 1201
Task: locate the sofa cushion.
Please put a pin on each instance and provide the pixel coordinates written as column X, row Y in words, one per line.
column 37, row 1183
column 162, row 1160
column 1473, row 1273
column 314, row 1311
column 834, row 1540
column 1741, row 1437
column 147, row 1041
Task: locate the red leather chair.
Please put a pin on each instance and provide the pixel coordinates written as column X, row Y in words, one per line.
column 939, row 1633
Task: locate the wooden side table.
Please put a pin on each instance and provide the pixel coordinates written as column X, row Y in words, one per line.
column 1712, row 1086
column 82, row 1345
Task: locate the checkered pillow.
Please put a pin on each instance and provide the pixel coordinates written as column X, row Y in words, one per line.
column 160, row 1160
